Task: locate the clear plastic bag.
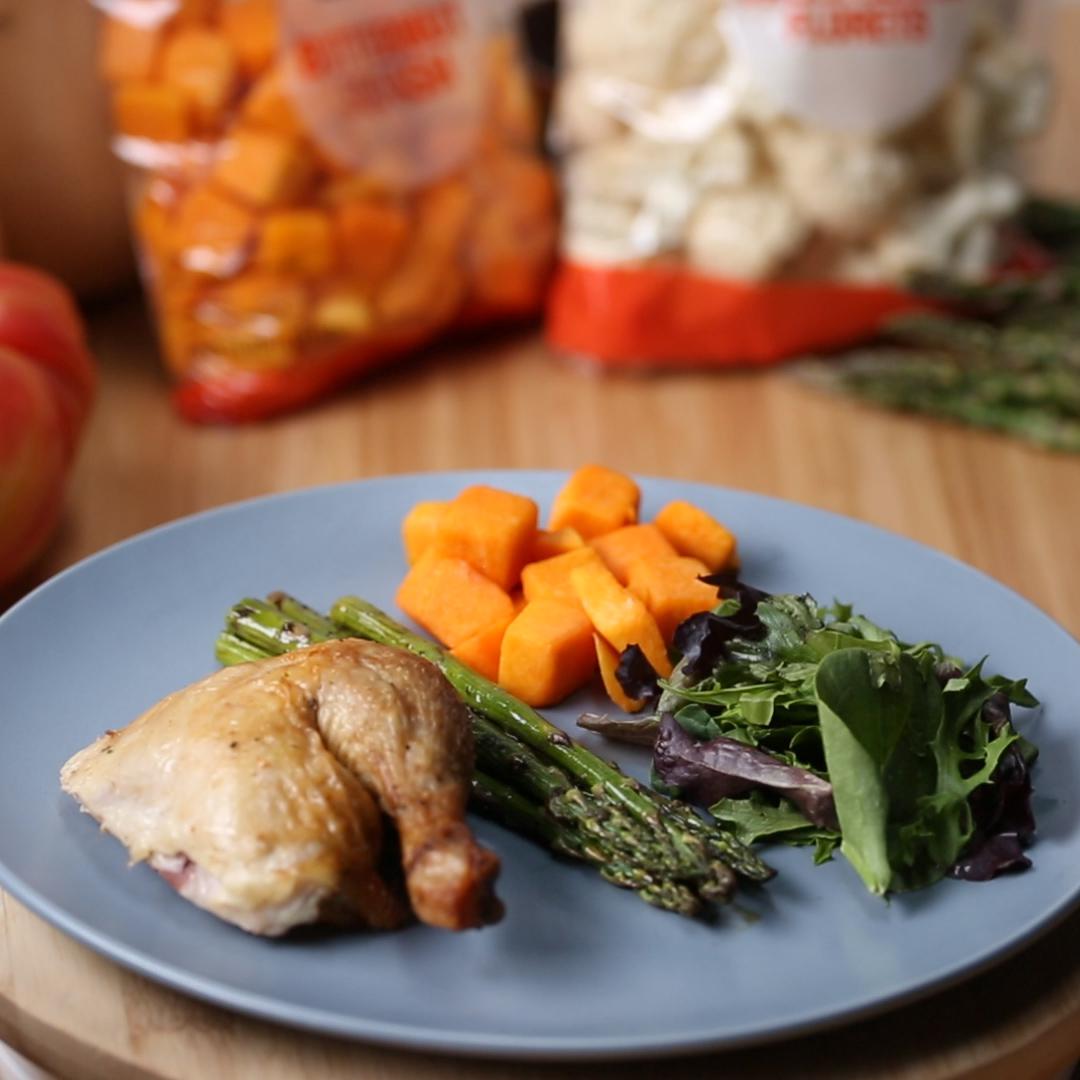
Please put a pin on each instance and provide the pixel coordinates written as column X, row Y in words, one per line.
column 745, row 180
column 321, row 187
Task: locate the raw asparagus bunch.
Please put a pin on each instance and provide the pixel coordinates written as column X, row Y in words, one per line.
column 529, row 774
column 1041, row 407
column 1007, row 358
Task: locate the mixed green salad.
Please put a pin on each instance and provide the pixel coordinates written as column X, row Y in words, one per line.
column 805, row 724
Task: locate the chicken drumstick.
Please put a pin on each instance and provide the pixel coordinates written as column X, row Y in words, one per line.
column 256, row 792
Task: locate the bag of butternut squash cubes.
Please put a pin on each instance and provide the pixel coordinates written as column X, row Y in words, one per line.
column 322, row 187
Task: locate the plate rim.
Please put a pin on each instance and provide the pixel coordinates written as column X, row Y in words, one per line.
column 497, row 1045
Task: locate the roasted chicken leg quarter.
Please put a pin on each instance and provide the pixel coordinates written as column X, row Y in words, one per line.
column 258, row 792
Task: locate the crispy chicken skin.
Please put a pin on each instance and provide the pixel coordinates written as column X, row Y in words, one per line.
column 257, row 791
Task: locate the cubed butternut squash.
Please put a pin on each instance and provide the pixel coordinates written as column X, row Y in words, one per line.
column 152, row 111
column 618, row 615
column 193, row 12
column 153, row 224
column 267, row 105
column 547, row 652
column 696, row 533
column 596, row 500
column 419, row 527
column 621, row 548
column 343, row 312
column 254, row 320
column 490, row 529
column 670, row 589
column 481, row 650
column 551, row 542
column 515, row 113
column 296, row 241
column 428, row 285
column 450, row 599
column 252, row 28
column 442, row 214
column 263, row 169
column 608, row 659
column 128, row 52
column 202, row 64
column 421, row 293
column 502, row 275
column 372, row 235
column 213, row 233
column 549, row 579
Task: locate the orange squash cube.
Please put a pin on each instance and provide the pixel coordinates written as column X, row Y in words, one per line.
column 515, row 113
column 621, row 548
column 262, row 169
column 547, row 652
column 371, row 235
column 299, row 241
column 212, row 232
column 355, row 187
column 201, row 63
column 421, row 293
column 266, row 105
column 549, row 579
column 254, row 320
column 618, row 615
column 252, row 28
column 490, row 529
column 548, row 543
column 608, row 660
column 442, row 214
column 596, row 500
column 481, row 651
column 128, row 52
column 504, row 274
column 342, row 311
column 152, row 111
column 670, row 589
column 154, row 227
column 695, row 533
column 193, row 12
column 450, row 599
column 420, row 526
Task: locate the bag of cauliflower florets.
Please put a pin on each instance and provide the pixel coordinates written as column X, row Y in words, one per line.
column 746, row 180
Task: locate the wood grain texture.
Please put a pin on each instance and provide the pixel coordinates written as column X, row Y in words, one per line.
column 1007, row 509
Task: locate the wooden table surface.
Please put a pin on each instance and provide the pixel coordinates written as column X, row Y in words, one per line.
column 1007, row 509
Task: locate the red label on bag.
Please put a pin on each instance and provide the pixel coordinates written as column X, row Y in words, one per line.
column 385, row 86
column 808, row 55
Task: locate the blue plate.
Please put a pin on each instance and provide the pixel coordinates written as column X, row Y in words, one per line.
column 578, row 968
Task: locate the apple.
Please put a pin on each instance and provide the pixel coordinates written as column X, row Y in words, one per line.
column 47, row 381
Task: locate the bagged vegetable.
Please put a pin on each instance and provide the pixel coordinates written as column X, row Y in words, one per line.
column 322, row 187
column 750, row 179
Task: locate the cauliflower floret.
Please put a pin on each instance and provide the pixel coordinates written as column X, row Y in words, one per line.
column 663, row 44
column 745, row 234
column 599, row 230
column 581, row 116
column 626, row 167
column 847, row 184
column 954, row 233
column 1016, row 84
column 727, row 158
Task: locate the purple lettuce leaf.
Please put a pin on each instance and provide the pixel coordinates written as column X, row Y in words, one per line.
column 1001, row 810
column 637, row 677
column 722, row 768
